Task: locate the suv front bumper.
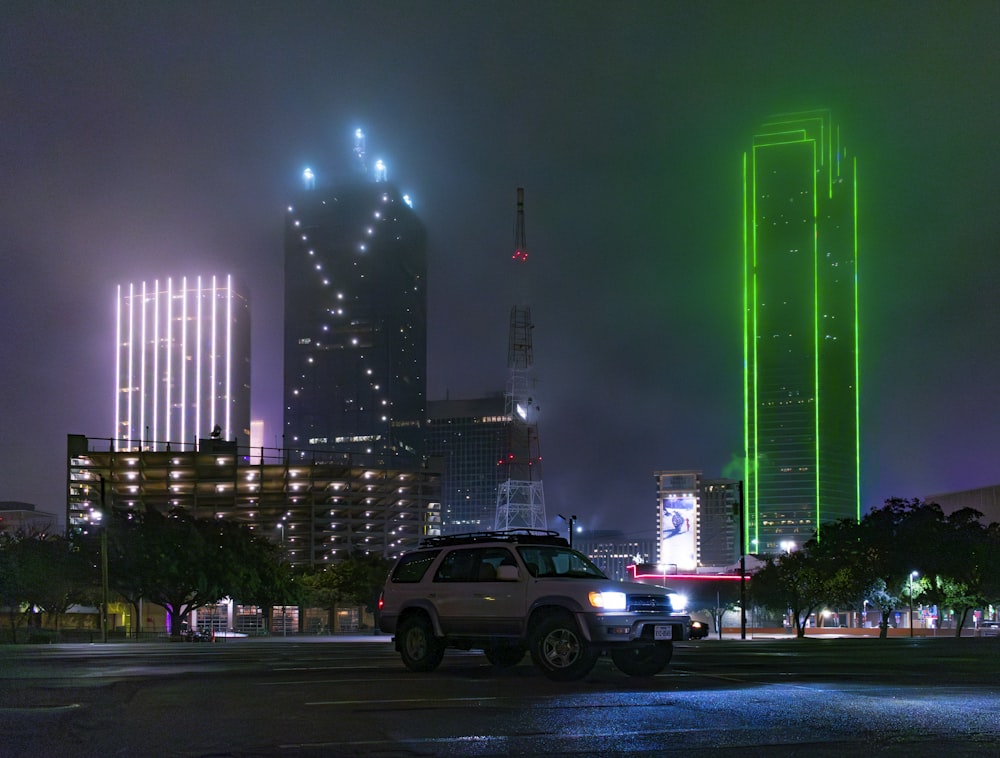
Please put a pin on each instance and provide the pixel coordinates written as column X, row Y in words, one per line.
column 628, row 627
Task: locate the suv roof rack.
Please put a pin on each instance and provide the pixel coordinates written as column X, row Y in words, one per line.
column 525, row 535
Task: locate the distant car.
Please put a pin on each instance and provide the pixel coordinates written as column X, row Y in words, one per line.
column 699, row 629
column 521, row 591
column 701, row 621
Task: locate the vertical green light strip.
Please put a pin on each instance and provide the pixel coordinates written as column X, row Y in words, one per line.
column 828, row 145
column 755, row 395
column 746, row 362
column 857, row 351
column 816, row 318
column 838, row 155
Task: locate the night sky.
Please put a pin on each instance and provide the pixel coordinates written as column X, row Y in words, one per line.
column 142, row 140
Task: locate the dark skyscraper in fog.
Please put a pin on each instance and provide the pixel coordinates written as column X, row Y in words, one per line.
column 355, row 318
column 800, row 331
column 471, row 437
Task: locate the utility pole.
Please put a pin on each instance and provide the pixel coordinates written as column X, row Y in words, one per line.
column 743, row 566
column 104, row 564
column 571, row 521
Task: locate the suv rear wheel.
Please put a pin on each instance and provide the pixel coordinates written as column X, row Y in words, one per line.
column 560, row 651
column 418, row 647
column 643, row 660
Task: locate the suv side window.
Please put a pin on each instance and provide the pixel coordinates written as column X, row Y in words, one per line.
column 473, row 565
column 545, row 561
column 412, row 567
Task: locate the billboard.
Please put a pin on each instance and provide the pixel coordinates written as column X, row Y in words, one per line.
column 677, row 531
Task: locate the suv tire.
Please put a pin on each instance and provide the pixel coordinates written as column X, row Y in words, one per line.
column 560, row 651
column 643, row 660
column 418, row 647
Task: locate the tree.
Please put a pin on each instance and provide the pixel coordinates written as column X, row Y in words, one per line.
column 965, row 570
column 184, row 563
column 355, row 579
column 39, row 572
column 792, row 581
column 991, row 583
column 364, row 576
column 54, row 575
column 127, row 559
column 894, row 540
column 842, row 550
column 268, row 581
column 179, row 566
column 11, row 594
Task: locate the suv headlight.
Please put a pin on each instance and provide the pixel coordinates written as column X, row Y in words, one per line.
column 609, row 601
column 678, row 601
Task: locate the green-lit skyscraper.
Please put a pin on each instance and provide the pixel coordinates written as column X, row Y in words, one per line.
column 800, row 331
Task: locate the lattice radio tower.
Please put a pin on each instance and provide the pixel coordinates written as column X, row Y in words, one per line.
column 520, row 497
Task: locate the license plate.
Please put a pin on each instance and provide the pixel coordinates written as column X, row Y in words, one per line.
column 663, row 632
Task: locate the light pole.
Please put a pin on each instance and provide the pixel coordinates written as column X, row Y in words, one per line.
column 104, row 563
column 912, row 574
column 284, row 629
column 743, row 565
column 571, row 520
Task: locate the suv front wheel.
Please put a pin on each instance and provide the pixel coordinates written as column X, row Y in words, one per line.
column 418, row 647
column 560, row 651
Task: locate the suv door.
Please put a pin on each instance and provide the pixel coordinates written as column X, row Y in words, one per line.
column 469, row 599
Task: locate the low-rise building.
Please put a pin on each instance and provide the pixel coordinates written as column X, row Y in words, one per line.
column 18, row 518
column 320, row 507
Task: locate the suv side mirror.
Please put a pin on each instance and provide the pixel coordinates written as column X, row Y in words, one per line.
column 507, row 573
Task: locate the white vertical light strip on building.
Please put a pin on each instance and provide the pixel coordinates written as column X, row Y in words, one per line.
column 184, row 353
column 229, row 358
column 118, row 369
column 156, row 362
column 131, row 362
column 169, row 379
column 212, row 395
column 142, row 369
column 197, row 363
column 257, row 437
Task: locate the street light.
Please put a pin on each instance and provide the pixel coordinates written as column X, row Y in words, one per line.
column 571, row 520
column 912, row 574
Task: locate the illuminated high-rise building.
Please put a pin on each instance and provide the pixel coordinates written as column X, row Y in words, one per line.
column 800, row 331
column 677, row 516
column 182, row 363
column 355, row 319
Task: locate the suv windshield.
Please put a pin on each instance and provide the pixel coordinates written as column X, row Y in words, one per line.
column 545, row 560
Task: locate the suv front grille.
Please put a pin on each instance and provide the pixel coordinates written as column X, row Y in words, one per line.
column 649, row 604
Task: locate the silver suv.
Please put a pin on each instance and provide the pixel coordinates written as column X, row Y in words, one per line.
column 524, row 590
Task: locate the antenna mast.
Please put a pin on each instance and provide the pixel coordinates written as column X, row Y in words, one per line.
column 520, row 497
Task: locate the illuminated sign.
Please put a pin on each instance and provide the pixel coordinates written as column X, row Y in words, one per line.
column 678, row 513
